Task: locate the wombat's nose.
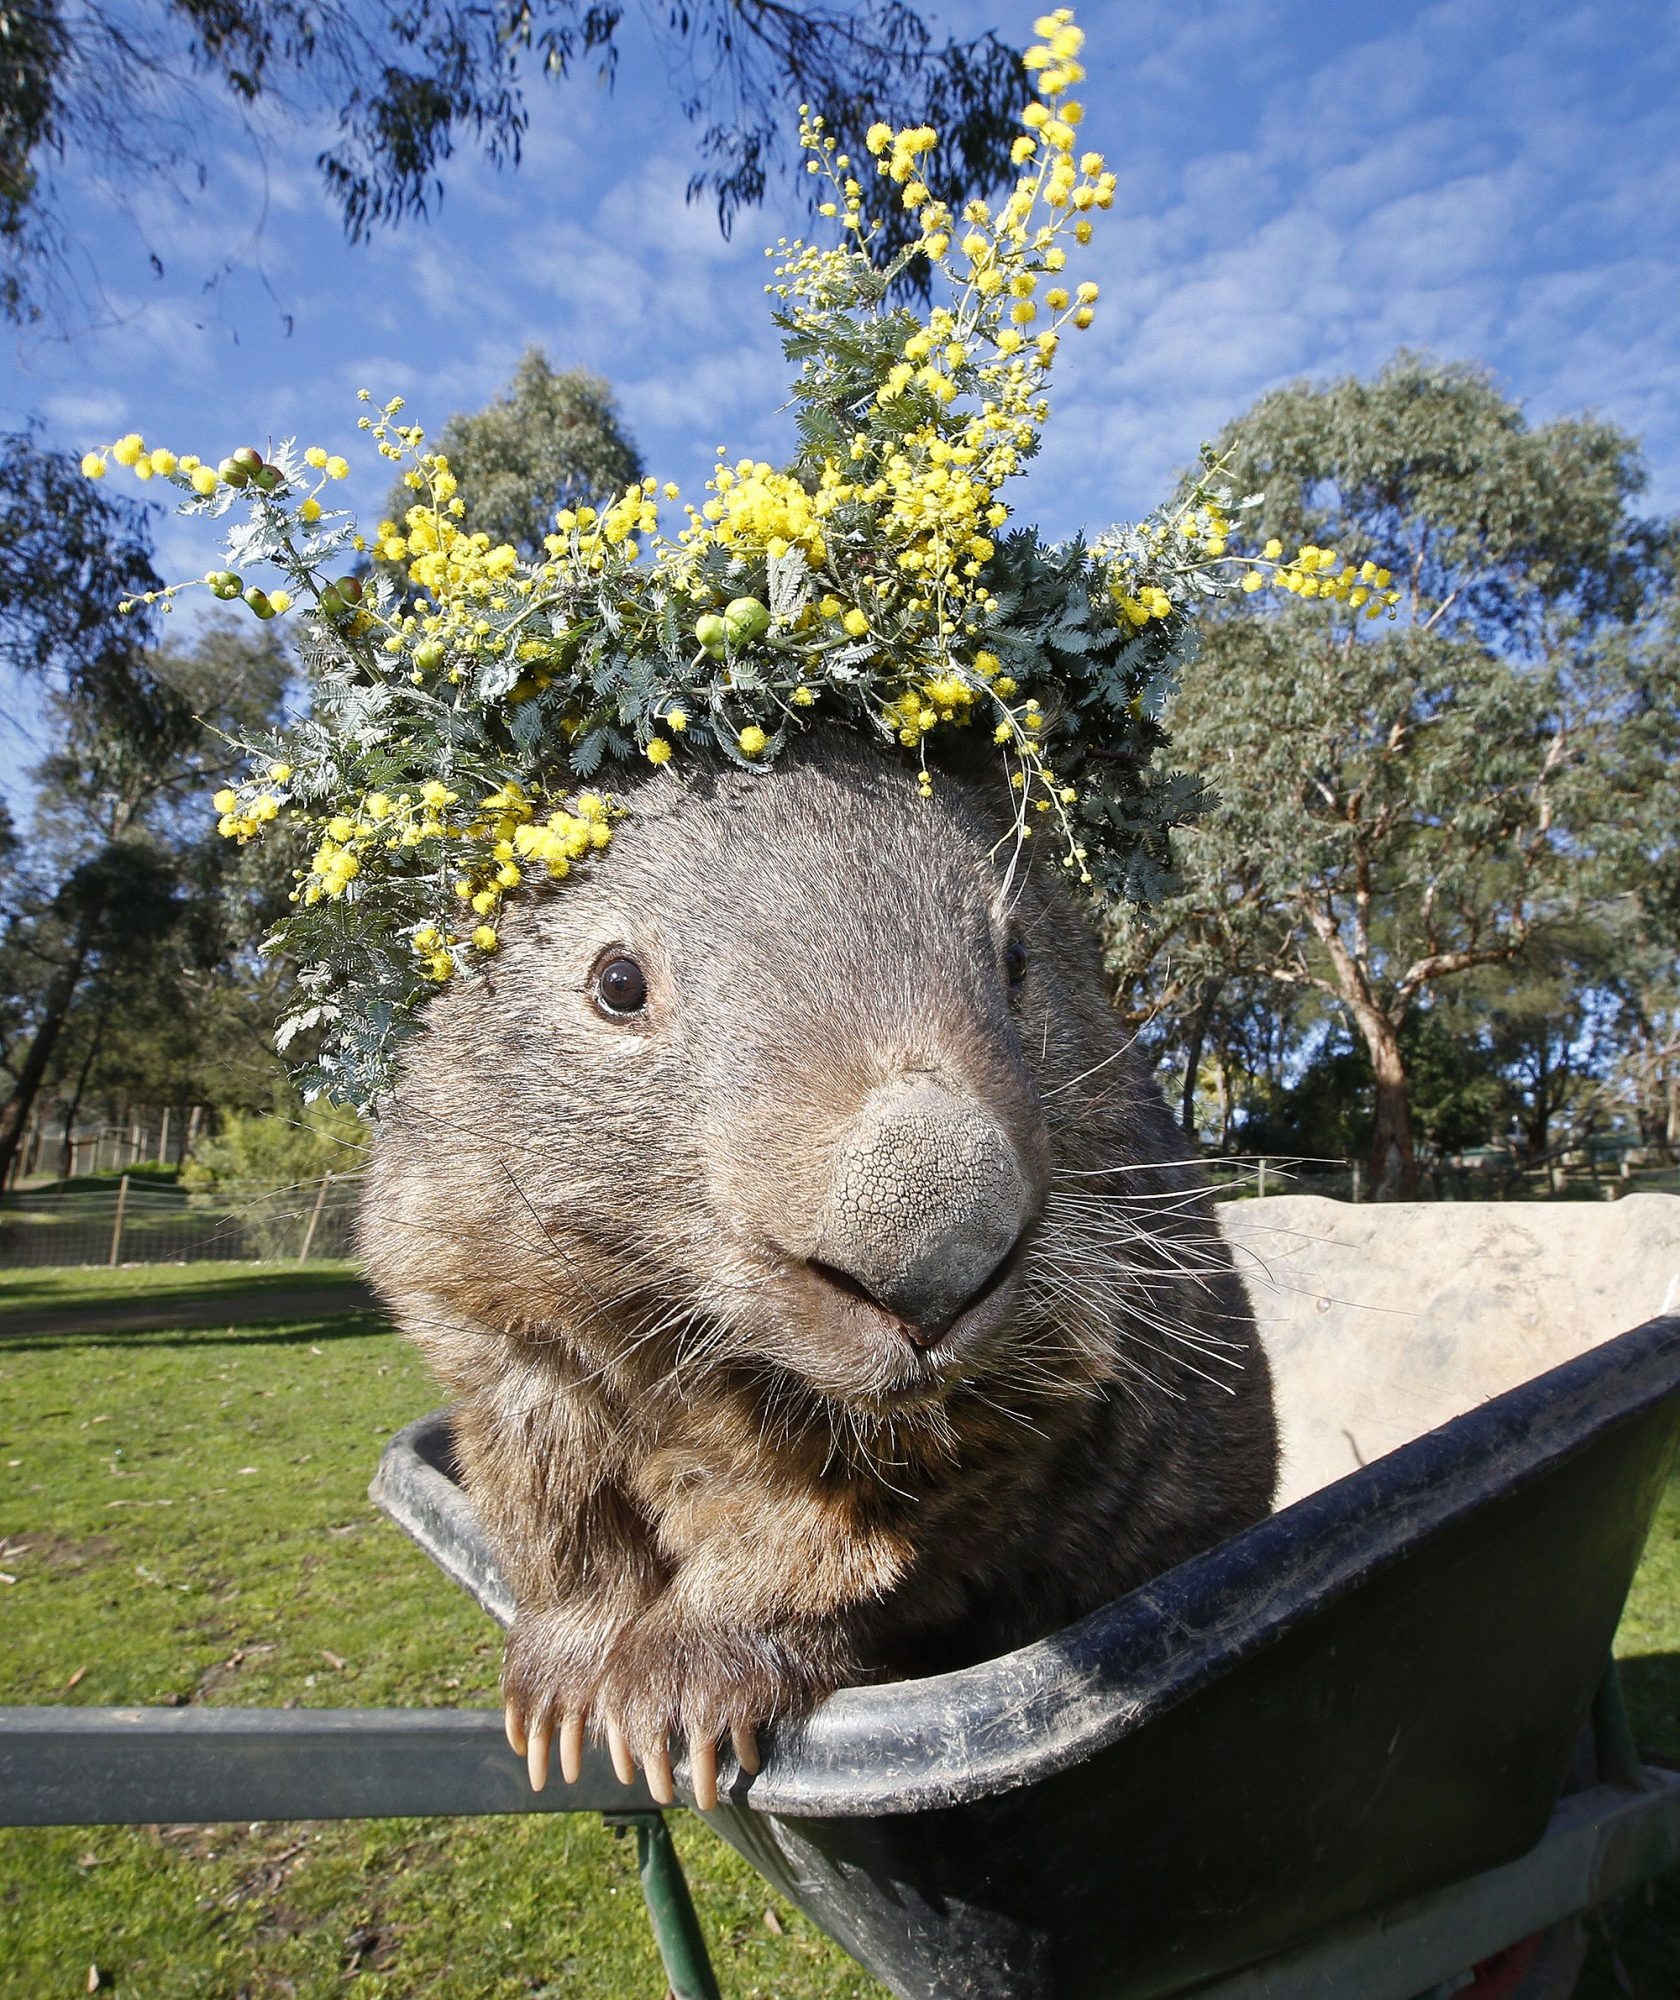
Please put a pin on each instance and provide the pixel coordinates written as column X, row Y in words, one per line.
column 928, row 1199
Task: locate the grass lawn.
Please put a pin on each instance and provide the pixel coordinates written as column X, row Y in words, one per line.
column 185, row 1517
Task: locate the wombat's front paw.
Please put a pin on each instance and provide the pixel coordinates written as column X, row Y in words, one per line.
column 669, row 1680
column 549, row 1676
column 637, row 1690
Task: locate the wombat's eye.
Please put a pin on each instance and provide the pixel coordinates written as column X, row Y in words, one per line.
column 1015, row 961
column 620, row 985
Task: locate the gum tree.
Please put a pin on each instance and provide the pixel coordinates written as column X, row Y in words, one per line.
column 552, row 439
column 120, row 901
column 1640, row 670
column 1398, row 803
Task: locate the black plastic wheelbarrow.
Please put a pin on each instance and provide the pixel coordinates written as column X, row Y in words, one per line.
column 1332, row 1756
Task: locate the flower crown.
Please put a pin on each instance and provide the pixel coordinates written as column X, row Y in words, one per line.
column 469, row 706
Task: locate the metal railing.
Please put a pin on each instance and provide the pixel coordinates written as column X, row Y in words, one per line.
column 140, row 1766
column 83, row 1767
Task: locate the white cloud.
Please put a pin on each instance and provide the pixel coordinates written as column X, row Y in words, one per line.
column 1512, row 198
column 92, row 414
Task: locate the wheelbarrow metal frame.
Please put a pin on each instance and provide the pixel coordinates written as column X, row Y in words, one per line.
column 977, row 1817
column 136, row 1766
column 908, row 1757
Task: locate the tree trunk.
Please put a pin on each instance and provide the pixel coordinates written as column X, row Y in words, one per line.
column 1393, row 1156
column 1193, row 1059
column 82, row 1076
column 15, row 1114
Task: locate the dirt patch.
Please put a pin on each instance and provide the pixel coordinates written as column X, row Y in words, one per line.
column 223, row 1672
column 264, row 1856
column 43, row 1550
column 370, row 1948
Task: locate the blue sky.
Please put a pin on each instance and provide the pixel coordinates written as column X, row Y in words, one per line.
column 1302, row 190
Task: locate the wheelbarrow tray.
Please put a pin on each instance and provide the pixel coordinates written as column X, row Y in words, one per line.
column 1372, row 1693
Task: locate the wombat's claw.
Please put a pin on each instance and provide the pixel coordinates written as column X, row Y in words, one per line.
column 571, row 1748
column 702, row 1771
column 624, row 1765
column 535, row 1743
column 660, row 1782
column 536, row 1754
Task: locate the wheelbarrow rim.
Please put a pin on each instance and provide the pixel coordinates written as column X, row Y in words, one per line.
column 904, row 1747
column 912, row 1746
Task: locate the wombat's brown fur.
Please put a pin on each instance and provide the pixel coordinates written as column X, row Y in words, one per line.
column 842, row 1310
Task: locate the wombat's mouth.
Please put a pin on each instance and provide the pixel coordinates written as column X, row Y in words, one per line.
column 921, row 1359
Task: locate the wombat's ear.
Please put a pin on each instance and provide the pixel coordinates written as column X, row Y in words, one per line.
column 965, row 753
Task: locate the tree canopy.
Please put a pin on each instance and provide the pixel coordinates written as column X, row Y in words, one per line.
column 69, row 556
column 126, row 928
column 1398, row 805
column 128, row 88
column 121, row 910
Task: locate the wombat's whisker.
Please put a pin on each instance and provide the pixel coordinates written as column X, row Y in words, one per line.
column 1120, row 1201
column 1006, row 1410
column 875, row 1465
column 1126, row 1315
column 1143, row 1210
column 1111, row 1221
column 1113, row 1056
column 1180, row 1255
column 1159, row 1271
column 1119, row 1358
column 1133, row 1286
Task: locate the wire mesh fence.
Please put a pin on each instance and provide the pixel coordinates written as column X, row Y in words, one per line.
column 1605, row 1170
column 145, row 1219
column 1235, row 1178
column 132, row 1221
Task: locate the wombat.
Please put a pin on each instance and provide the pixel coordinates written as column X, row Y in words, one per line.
column 820, row 1285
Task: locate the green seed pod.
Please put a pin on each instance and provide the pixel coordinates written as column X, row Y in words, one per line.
column 257, row 598
column 350, row 589
column 233, row 472
column 428, row 656
column 268, row 477
column 746, row 619
column 332, row 602
column 712, row 633
column 248, row 456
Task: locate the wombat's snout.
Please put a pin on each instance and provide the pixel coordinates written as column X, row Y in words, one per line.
column 926, row 1204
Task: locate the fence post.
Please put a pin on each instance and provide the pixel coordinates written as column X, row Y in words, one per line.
column 116, row 1229
column 1260, row 1176
column 314, row 1218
